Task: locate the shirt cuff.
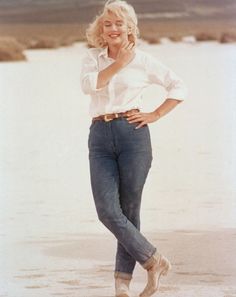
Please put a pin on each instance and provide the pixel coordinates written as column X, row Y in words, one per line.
column 178, row 94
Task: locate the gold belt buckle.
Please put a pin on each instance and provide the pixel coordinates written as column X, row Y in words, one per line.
column 107, row 119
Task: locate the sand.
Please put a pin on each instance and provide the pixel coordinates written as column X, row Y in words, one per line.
column 39, row 35
column 203, row 264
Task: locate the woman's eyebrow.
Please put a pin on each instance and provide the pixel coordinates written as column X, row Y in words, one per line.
column 117, row 21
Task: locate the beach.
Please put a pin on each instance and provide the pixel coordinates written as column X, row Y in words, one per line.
column 203, row 264
column 51, row 239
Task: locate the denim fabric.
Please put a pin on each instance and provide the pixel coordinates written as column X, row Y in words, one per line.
column 120, row 157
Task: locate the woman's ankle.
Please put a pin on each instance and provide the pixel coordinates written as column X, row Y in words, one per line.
column 123, row 275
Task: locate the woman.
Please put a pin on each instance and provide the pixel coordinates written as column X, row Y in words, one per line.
column 114, row 73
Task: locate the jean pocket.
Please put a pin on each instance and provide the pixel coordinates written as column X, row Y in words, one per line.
column 134, row 125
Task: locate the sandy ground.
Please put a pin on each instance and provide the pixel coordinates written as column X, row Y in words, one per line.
column 15, row 38
column 149, row 28
column 203, row 264
column 50, row 239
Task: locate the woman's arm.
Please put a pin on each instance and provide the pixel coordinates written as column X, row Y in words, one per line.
column 92, row 79
column 158, row 73
column 166, row 107
column 124, row 56
column 150, row 117
column 106, row 74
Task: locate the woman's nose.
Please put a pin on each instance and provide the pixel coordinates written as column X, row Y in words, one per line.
column 114, row 27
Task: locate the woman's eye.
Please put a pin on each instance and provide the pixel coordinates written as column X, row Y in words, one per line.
column 117, row 24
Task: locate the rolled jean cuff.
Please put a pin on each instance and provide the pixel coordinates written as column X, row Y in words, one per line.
column 151, row 261
column 123, row 275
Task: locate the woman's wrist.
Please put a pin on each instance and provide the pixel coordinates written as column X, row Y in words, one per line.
column 157, row 114
column 119, row 64
column 106, row 74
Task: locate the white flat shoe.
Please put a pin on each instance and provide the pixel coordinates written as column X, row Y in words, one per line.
column 122, row 288
column 161, row 267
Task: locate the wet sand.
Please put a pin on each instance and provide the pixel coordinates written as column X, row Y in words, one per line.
column 203, row 265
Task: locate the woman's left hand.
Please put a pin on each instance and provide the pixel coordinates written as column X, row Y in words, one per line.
column 143, row 117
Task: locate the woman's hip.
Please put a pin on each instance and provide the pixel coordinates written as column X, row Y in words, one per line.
column 118, row 135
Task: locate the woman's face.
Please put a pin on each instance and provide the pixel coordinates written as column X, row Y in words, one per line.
column 115, row 29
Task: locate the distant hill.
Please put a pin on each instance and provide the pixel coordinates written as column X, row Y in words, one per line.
column 83, row 11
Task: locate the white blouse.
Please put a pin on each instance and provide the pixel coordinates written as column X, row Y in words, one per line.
column 124, row 90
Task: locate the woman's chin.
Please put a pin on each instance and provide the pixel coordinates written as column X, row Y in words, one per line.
column 116, row 42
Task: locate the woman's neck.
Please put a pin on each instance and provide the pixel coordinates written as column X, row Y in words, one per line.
column 113, row 51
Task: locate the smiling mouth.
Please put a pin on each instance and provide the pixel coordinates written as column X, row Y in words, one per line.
column 114, row 35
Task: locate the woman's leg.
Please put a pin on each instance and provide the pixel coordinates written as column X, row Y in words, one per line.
column 105, row 182
column 134, row 161
column 133, row 170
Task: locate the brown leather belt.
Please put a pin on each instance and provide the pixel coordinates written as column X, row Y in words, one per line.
column 111, row 116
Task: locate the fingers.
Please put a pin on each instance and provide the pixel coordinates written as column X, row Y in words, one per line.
column 124, row 44
column 127, row 45
column 134, row 117
column 140, row 125
column 130, row 46
column 141, row 118
column 138, row 118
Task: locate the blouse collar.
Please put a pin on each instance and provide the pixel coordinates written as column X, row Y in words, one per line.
column 104, row 52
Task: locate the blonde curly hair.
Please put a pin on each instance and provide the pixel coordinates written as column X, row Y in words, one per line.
column 119, row 8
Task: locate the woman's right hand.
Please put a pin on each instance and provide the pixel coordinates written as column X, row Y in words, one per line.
column 124, row 56
column 126, row 53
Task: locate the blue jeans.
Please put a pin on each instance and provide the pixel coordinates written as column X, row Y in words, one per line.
column 120, row 157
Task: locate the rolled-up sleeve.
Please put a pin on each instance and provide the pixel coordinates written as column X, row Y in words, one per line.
column 89, row 74
column 158, row 73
